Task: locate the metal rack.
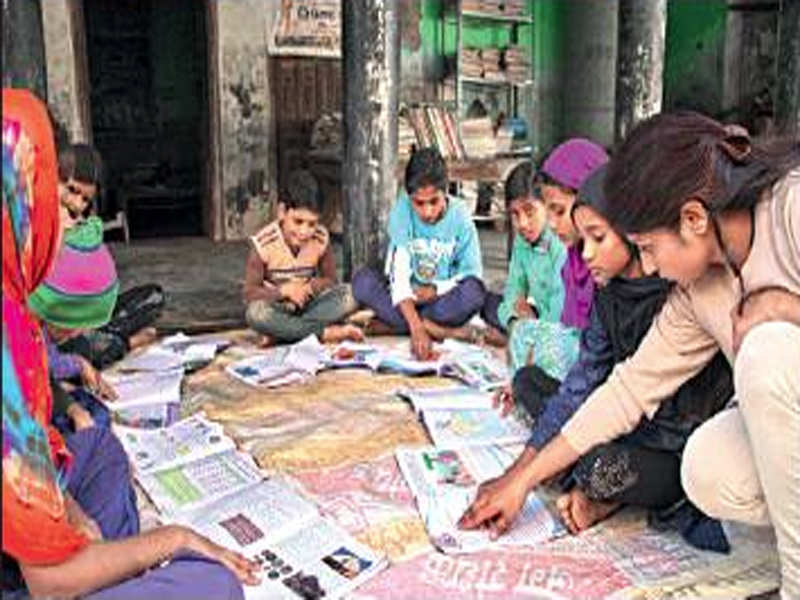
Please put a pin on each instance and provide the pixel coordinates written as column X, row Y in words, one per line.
column 513, row 22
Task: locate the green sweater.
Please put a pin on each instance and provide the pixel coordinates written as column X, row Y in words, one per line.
column 535, row 274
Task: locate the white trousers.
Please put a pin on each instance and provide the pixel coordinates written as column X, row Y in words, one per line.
column 744, row 463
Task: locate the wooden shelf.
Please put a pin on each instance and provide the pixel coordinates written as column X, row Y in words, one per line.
column 511, row 19
column 494, row 82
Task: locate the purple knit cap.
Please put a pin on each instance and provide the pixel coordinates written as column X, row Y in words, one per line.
column 572, row 162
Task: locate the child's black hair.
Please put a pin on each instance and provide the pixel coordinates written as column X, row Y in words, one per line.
column 426, row 167
column 520, row 183
column 302, row 191
column 80, row 162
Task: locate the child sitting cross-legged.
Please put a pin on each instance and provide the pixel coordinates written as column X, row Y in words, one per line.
column 433, row 264
column 290, row 279
column 643, row 467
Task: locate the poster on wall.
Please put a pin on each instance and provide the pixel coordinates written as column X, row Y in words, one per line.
column 307, row 28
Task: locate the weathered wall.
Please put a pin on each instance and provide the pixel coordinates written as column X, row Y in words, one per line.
column 751, row 43
column 695, row 55
column 589, row 70
column 245, row 115
column 67, row 77
column 23, row 46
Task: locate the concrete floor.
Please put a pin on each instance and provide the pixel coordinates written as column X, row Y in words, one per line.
column 203, row 280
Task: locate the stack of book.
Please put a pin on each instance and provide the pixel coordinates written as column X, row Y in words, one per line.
column 517, row 64
column 478, row 138
column 499, row 7
column 472, row 62
column 491, row 64
column 406, row 138
column 435, row 127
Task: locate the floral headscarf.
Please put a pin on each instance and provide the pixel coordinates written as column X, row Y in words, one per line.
column 35, row 527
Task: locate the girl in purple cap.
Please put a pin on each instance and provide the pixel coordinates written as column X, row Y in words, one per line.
column 542, row 350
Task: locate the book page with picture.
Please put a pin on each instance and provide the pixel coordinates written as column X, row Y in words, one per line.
column 444, row 484
column 300, row 552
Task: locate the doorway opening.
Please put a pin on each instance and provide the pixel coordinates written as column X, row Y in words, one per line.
column 148, row 74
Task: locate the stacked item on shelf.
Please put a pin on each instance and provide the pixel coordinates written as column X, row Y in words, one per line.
column 517, row 64
column 436, row 127
column 477, row 136
column 472, row 5
column 472, row 62
column 491, row 64
column 510, row 8
column 406, row 138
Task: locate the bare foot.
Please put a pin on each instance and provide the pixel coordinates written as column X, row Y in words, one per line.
column 339, row 333
column 265, row 341
column 579, row 513
column 142, row 337
column 495, row 337
column 378, row 327
column 438, row 332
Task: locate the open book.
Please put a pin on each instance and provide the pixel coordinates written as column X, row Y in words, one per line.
column 457, row 427
column 301, row 553
column 470, row 364
column 187, row 465
column 444, row 484
column 282, row 365
column 146, row 399
column 447, row 397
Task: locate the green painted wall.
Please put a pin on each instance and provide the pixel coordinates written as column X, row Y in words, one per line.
column 695, row 55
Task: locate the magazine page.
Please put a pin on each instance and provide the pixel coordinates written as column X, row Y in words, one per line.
column 152, row 358
column 300, row 553
column 282, row 365
column 475, row 366
column 457, row 396
column 145, row 387
column 189, row 486
column 349, row 355
column 455, row 427
column 318, row 561
column 398, row 359
column 444, row 484
column 146, row 416
column 261, row 514
column 182, row 442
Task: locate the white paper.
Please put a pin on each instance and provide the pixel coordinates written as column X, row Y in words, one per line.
column 282, row 365
column 153, row 358
column 448, row 397
column 145, row 387
column 454, row 427
column 295, row 546
column 444, row 484
column 354, row 355
column 185, row 441
column 146, row 416
column 188, row 487
column 474, row 366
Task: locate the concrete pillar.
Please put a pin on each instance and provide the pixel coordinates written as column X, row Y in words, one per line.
column 591, row 62
column 787, row 97
column 640, row 62
column 67, row 67
column 371, row 54
column 23, row 46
